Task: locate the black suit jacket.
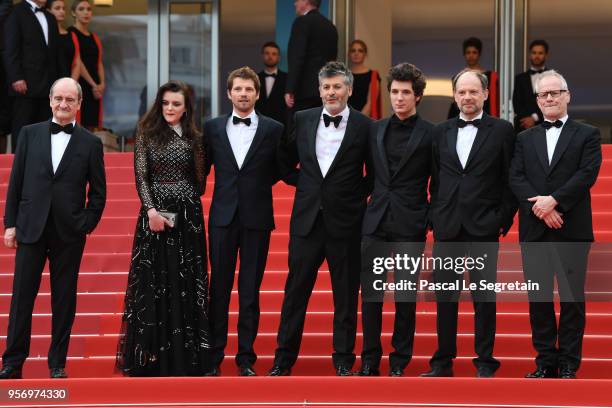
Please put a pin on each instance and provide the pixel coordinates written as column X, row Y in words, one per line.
column 248, row 189
column 477, row 198
column 274, row 105
column 5, row 9
column 35, row 193
column 341, row 194
column 404, row 193
column 27, row 56
column 524, row 100
column 568, row 178
column 313, row 43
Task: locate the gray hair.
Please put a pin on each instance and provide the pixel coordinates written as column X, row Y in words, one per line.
column 551, row 73
column 484, row 81
column 78, row 87
column 335, row 68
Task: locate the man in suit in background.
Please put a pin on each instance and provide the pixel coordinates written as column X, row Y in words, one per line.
column 397, row 211
column 57, row 166
column 273, row 81
column 330, row 145
column 471, row 206
column 5, row 106
column 527, row 114
column 554, row 167
column 32, row 62
column 243, row 148
column 313, row 42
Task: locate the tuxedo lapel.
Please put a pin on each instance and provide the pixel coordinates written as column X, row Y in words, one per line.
column 222, row 131
column 45, row 145
column 451, row 139
column 564, row 138
column 380, row 137
column 348, row 138
column 312, row 126
column 415, row 139
column 540, row 146
column 70, row 149
column 34, row 21
column 257, row 139
column 481, row 135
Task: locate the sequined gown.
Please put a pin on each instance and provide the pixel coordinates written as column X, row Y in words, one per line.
column 165, row 330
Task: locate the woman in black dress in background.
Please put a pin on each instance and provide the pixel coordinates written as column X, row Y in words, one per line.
column 165, row 330
column 69, row 44
column 366, row 85
column 91, row 56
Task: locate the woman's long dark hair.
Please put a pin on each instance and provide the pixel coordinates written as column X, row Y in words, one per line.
column 154, row 127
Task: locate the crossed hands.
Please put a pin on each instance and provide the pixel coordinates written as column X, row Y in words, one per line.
column 544, row 209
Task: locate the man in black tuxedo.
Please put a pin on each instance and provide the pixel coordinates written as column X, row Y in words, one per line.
column 313, row 42
column 330, row 144
column 32, row 62
column 471, row 206
column 47, row 216
column 554, row 166
column 273, row 81
column 527, row 114
column 397, row 211
column 243, row 148
column 5, row 106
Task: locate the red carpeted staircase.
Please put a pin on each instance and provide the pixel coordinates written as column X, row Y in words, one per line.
column 100, row 300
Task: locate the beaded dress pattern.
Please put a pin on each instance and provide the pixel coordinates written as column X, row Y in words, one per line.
column 165, row 329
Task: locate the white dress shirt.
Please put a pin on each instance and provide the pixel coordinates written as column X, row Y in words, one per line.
column 59, row 141
column 42, row 20
column 329, row 140
column 465, row 140
column 270, row 81
column 241, row 136
column 552, row 137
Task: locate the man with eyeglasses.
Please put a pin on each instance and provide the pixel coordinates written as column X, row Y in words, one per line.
column 56, row 195
column 554, row 166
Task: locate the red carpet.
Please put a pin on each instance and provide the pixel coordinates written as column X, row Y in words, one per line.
column 100, row 301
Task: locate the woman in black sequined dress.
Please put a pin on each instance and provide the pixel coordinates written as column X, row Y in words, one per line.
column 165, row 330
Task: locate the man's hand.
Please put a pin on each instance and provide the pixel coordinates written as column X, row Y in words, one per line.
column 527, row 122
column 554, row 220
column 543, row 205
column 289, row 100
column 20, row 86
column 10, row 240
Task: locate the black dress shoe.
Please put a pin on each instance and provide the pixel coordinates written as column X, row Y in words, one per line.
column 278, row 371
column 567, row 373
column 368, row 371
column 10, row 372
column 246, row 371
column 396, row 372
column 57, row 373
column 439, row 372
column 485, row 372
column 213, row 372
column 343, row 371
column 543, row 372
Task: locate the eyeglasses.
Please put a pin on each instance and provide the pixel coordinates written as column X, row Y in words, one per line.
column 554, row 94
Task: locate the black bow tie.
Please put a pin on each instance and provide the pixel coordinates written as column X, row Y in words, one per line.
column 332, row 119
column 536, row 71
column 269, row 75
column 463, row 123
column 57, row 128
column 236, row 120
column 408, row 122
column 547, row 125
column 37, row 9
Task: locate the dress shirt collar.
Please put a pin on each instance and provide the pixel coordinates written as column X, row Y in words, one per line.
column 55, row 121
column 563, row 119
column 33, row 5
column 345, row 113
column 468, row 120
column 253, row 116
column 271, row 71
